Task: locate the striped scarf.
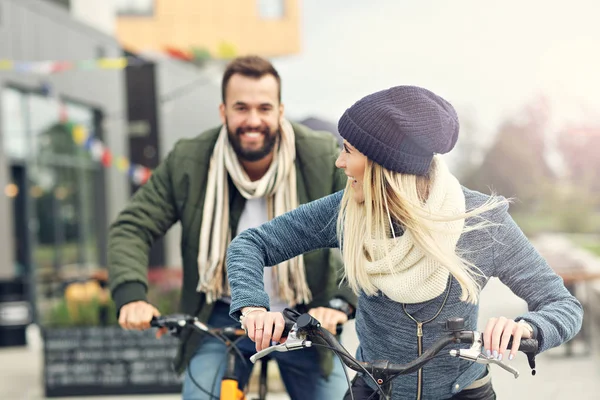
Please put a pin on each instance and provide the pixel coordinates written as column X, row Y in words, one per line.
column 278, row 185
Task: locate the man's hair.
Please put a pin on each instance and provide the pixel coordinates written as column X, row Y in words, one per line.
column 252, row 67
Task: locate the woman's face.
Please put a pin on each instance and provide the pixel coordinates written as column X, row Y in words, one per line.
column 353, row 162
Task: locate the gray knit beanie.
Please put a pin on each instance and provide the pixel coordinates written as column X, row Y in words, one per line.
column 401, row 128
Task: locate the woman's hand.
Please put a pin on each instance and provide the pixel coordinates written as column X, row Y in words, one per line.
column 262, row 326
column 498, row 332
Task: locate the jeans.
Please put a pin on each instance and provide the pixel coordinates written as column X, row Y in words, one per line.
column 299, row 369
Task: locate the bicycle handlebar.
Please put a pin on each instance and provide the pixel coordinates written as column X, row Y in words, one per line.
column 175, row 323
column 301, row 327
column 306, row 327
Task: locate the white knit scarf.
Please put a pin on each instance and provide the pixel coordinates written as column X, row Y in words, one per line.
column 414, row 277
column 278, row 185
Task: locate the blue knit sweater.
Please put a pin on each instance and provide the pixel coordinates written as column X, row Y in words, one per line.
column 384, row 330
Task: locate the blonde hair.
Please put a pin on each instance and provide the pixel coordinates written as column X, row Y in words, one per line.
column 391, row 196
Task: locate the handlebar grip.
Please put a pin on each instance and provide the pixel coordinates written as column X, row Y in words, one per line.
column 530, row 346
column 527, row 345
column 291, row 316
column 289, row 325
column 170, row 321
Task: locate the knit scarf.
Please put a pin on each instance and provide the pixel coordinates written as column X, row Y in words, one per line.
column 278, row 185
column 405, row 274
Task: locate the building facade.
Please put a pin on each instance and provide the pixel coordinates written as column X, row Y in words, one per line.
column 220, row 28
column 56, row 202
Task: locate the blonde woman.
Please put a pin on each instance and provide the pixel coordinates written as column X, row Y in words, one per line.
column 417, row 247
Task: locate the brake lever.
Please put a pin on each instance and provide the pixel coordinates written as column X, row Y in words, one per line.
column 480, row 358
column 474, row 354
column 502, row 365
column 294, row 342
column 175, row 329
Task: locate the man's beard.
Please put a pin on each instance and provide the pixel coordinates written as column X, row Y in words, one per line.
column 252, row 155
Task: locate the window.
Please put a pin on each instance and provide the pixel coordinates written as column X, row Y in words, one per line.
column 271, row 9
column 16, row 141
column 64, row 184
column 64, row 176
column 135, row 7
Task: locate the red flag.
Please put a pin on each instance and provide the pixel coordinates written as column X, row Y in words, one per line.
column 179, row 54
column 106, row 158
column 146, row 175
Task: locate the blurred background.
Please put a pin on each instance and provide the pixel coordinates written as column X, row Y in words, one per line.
column 93, row 93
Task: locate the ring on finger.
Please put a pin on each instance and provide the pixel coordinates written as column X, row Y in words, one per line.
column 258, row 329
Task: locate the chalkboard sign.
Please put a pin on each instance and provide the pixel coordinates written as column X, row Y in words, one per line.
column 108, row 361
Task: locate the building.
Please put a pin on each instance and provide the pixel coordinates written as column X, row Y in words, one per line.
column 218, row 28
column 319, row 124
column 43, row 170
column 169, row 100
column 56, row 201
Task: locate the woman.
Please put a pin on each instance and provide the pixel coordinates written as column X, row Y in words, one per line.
column 417, row 246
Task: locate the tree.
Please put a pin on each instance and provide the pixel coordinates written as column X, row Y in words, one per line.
column 470, row 147
column 579, row 149
column 515, row 164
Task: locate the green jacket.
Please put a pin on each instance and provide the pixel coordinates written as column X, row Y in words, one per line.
column 176, row 192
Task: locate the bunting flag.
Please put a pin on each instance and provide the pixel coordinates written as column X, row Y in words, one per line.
column 84, row 138
column 52, row 67
column 225, row 50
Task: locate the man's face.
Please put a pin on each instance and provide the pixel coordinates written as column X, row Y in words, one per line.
column 251, row 113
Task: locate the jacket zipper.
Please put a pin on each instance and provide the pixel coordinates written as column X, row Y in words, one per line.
column 420, row 336
column 420, row 348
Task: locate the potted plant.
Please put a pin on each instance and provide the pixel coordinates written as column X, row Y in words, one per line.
column 87, row 353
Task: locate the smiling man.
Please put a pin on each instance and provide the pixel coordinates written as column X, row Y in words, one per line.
column 256, row 166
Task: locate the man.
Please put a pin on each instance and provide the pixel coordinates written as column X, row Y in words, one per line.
column 255, row 166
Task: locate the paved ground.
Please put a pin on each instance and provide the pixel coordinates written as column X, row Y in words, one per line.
column 557, row 377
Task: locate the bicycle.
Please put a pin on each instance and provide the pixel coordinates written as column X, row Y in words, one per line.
column 230, row 335
column 305, row 330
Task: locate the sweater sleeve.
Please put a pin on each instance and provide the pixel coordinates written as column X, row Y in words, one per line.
column 555, row 314
column 309, row 227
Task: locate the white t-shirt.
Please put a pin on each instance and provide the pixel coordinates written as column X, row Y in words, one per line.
column 253, row 215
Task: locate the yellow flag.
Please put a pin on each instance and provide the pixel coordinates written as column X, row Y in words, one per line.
column 226, row 51
column 79, row 134
column 122, row 164
column 112, row 63
column 6, row 64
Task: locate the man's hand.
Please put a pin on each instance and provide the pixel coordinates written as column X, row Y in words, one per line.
column 328, row 317
column 137, row 316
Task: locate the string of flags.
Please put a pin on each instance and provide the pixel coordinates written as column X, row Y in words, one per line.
column 56, row 66
column 84, row 137
column 196, row 55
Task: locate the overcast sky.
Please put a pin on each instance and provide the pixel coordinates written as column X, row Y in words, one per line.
column 487, row 58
